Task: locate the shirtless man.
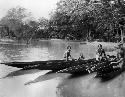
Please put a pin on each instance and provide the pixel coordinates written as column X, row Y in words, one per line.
column 81, row 57
column 120, row 56
column 67, row 54
column 100, row 53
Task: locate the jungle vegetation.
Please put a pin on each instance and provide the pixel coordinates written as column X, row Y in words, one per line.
column 72, row 19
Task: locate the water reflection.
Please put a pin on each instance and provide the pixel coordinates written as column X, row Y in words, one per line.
column 35, row 54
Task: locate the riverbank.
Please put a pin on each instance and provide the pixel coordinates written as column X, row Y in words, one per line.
column 52, row 39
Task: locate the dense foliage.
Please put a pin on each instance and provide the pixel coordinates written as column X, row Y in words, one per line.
column 73, row 19
column 20, row 25
column 89, row 19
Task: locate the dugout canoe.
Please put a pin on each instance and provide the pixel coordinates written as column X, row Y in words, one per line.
column 31, row 64
column 62, row 65
column 49, row 65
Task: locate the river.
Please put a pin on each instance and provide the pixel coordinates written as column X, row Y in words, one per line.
column 51, row 85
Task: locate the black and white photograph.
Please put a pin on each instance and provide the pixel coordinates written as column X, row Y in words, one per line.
column 62, row 48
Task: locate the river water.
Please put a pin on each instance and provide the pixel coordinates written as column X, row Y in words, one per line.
column 13, row 82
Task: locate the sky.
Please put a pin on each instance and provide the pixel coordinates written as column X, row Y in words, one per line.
column 39, row 8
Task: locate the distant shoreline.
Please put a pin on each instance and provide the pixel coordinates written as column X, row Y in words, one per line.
column 94, row 43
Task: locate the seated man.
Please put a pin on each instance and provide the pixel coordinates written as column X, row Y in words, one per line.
column 100, row 53
column 67, row 54
column 81, row 57
column 120, row 56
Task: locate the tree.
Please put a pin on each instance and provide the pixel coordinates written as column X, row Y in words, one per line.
column 15, row 21
column 43, row 28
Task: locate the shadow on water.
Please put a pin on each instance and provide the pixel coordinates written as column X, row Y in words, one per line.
column 20, row 72
column 109, row 76
column 77, row 74
column 52, row 74
column 103, row 77
column 46, row 77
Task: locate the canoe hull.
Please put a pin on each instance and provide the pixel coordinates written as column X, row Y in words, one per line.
column 54, row 65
